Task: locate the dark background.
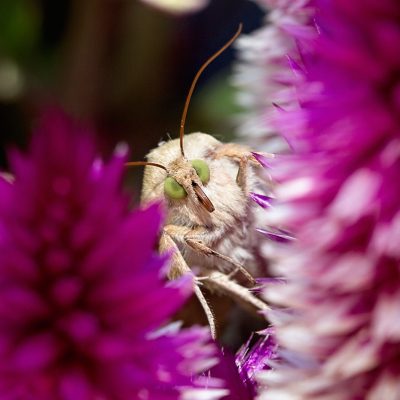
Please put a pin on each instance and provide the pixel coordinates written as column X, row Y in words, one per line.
column 119, row 65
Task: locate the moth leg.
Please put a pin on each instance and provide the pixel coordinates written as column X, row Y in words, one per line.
column 237, row 152
column 200, row 247
column 178, row 264
column 207, row 310
column 215, row 280
column 243, row 156
column 232, row 150
column 218, row 281
column 180, row 267
column 241, row 177
column 192, row 237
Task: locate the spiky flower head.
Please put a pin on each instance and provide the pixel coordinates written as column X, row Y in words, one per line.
column 339, row 194
column 82, row 290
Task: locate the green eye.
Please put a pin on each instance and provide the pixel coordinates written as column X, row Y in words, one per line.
column 202, row 170
column 173, row 189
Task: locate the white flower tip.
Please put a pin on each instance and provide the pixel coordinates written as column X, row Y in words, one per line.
column 171, row 329
column 98, row 165
column 203, row 394
column 295, row 188
column 121, row 149
column 178, row 7
column 7, row 177
column 356, row 195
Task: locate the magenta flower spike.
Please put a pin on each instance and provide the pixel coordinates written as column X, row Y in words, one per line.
column 338, row 193
column 82, row 290
column 240, row 372
column 262, row 200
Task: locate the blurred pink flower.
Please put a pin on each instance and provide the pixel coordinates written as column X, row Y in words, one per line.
column 261, row 74
column 338, row 193
column 82, row 294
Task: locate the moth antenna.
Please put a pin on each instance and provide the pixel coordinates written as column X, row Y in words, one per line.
column 196, row 78
column 138, row 163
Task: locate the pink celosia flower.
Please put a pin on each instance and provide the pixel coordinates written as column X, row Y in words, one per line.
column 339, row 194
column 81, row 290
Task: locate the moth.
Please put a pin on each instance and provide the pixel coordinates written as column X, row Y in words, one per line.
column 205, row 185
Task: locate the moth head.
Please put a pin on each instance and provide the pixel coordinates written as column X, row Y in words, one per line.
column 187, row 178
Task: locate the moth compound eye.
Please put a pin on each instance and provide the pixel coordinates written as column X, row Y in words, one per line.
column 202, row 170
column 173, row 189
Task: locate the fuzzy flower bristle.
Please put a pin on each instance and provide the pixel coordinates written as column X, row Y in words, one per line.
column 338, row 193
column 82, row 293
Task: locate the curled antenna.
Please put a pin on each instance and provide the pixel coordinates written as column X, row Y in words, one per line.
column 137, row 163
column 196, row 78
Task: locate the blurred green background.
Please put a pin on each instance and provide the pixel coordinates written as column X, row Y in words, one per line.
column 119, row 65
